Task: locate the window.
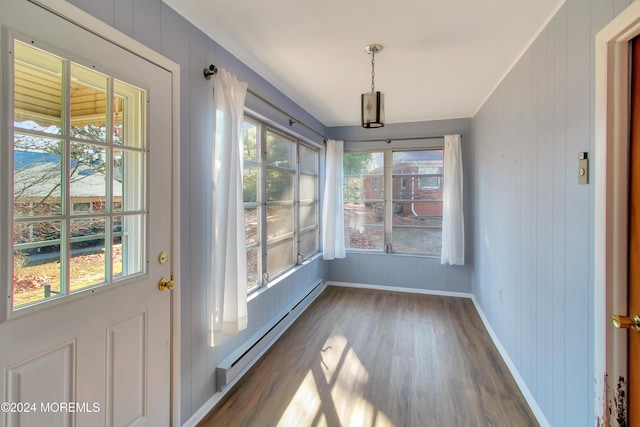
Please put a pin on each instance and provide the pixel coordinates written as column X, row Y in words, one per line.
column 403, row 217
column 79, row 157
column 280, row 183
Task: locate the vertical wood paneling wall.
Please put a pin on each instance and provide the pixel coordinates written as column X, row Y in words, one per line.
column 533, row 243
column 156, row 25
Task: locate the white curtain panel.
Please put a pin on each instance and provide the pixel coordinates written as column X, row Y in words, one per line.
column 332, row 205
column 452, row 215
column 228, row 275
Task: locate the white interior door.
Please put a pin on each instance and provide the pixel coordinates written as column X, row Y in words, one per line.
column 85, row 212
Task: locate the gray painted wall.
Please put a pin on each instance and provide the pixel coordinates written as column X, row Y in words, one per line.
column 154, row 24
column 533, row 273
column 407, row 271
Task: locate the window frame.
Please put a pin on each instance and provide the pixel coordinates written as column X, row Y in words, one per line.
column 65, row 215
column 388, row 199
column 264, row 242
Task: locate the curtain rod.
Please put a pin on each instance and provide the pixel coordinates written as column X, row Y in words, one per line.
column 212, row 70
column 388, row 140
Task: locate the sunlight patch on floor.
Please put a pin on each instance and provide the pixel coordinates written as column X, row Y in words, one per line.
column 304, row 405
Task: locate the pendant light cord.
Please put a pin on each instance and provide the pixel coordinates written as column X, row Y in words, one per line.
column 373, row 72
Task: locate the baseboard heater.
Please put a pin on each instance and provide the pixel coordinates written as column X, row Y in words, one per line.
column 248, row 354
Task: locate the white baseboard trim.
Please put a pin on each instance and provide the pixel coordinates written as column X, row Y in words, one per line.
column 400, row 289
column 537, row 412
column 205, row 409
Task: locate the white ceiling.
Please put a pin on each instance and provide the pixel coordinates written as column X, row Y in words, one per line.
column 441, row 59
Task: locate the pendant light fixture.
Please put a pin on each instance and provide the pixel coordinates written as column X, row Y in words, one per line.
column 372, row 103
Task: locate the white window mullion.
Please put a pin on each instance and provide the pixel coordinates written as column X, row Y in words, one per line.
column 388, row 202
column 65, row 159
column 263, row 199
column 108, row 227
column 296, row 209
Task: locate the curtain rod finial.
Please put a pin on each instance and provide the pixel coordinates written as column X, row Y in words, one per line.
column 208, row 72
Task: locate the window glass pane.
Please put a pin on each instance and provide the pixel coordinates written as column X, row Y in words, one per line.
column 88, row 103
column 308, row 215
column 128, row 245
column 308, row 188
column 281, row 151
column 37, row 90
column 308, row 243
column 87, row 266
column 250, row 175
column 279, row 257
column 37, row 176
column 427, row 240
column 308, row 160
column 363, row 176
column 253, row 268
column 128, row 180
column 128, row 115
column 251, row 225
column 279, row 220
column 279, row 186
column 364, row 225
column 250, row 139
column 36, row 261
column 364, row 237
column 425, row 213
column 87, row 178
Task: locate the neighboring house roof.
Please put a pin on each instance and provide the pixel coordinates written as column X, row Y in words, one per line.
column 38, row 174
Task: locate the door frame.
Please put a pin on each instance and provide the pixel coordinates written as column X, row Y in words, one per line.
column 612, row 131
column 90, row 23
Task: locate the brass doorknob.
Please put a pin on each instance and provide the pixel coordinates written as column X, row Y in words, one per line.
column 624, row 322
column 166, row 284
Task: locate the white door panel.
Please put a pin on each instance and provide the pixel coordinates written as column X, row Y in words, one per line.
column 101, row 356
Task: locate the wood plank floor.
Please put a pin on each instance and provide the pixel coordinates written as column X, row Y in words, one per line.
column 374, row 358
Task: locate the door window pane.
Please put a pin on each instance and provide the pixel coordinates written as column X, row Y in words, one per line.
column 88, row 104
column 128, row 180
column 87, row 177
column 37, row 176
column 128, row 245
column 87, row 264
column 36, row 261
column 37, row 89
column 128, row 104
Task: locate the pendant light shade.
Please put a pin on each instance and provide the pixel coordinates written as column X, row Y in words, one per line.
column 372, row 103
column 372, row 107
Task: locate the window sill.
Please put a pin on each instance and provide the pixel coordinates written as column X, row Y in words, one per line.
column 264, row 288
column 400, row 254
